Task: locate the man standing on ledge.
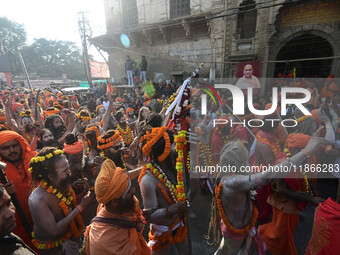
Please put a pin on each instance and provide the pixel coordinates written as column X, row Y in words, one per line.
column 129, row 69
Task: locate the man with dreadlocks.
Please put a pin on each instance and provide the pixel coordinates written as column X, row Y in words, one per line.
column 56, row 215
column 57, row 126
column 163, row 193
column 232, row 205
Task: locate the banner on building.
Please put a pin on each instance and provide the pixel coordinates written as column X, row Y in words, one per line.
column 99, row 70
column 321, row 13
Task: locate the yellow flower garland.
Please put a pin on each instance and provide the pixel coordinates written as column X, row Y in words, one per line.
column 43, row 158
column 83, row 118
column 180, row 141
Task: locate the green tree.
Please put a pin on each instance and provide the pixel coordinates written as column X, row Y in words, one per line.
column 48, row 58
column 12, row 35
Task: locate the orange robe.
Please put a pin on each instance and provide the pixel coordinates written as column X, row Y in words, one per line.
column 106, row 239
column 22, row 182
column 282, row 242
column 326, row 229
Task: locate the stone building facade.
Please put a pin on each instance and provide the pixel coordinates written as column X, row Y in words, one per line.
column 177, row 35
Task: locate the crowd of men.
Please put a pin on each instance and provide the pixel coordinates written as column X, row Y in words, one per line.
column 87, row 173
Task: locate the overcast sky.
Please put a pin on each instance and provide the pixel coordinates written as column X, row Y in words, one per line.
column 56, row 20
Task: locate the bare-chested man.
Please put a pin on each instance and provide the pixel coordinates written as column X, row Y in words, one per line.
column 233, row 196
column 55, row 233
column 162, row 208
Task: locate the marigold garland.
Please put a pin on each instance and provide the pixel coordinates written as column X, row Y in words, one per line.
column 164, row 240
column 83, row 118
column 299, row 120
column 24, row 114
column 108, row 142
column 180, row 141
column 126, row 134
column 76, row 225
column 152, row 138
column 242, row 231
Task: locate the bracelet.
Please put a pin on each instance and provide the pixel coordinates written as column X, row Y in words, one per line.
column 80, row 208
column 307, row 154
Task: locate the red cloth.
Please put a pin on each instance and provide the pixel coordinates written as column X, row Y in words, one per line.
column 15, row 106
column 326, row 229
column 21, row 182
column 279, row 234
column 217, row 144
column 239, row 132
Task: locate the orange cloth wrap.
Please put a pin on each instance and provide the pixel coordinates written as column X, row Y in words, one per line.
column 111, row 182
column 22, row 183
column 297, row 140
column 74, row 148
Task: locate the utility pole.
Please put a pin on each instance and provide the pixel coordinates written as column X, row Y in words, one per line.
column 85, row 32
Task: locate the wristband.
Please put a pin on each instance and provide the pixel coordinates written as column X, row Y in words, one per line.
column 80, row 208
column 307, row 154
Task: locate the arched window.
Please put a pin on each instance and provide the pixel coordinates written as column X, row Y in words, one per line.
column 246, row 20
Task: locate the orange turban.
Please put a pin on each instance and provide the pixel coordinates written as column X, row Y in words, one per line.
column 315, row 116
column 298, row 140
column 74, row 148
column 52, row 111
column 147, row 96
column 15, row 106
column 112, row 182
column 6, row 136
column 119, row 99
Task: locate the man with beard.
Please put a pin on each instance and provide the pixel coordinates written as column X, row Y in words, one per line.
column 47, row 138
column 126, row 132
column 57, row 126
column 17, row 154
column 112, row 145
column 9, row 242
column 117, row 228
column 56, row 215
